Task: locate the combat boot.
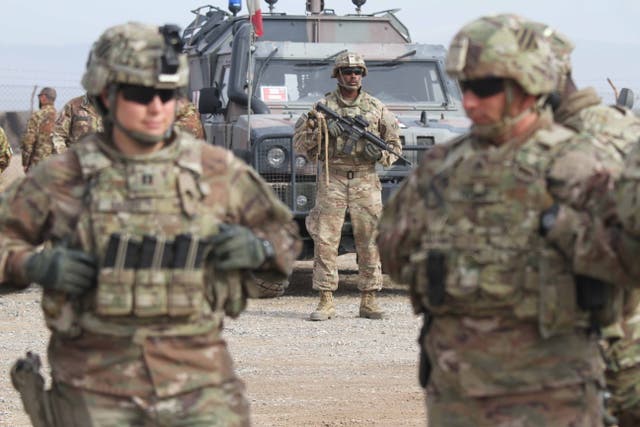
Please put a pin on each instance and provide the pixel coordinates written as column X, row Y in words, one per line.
column 326, row 309
column 369, row 308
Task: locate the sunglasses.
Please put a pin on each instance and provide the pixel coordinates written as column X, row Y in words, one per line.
column 145, row 94
column 352, row 70
column 483, row 88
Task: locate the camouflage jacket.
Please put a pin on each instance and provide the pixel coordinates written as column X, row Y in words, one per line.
column 382, row 123
column 471, row 251
column 5, row 151
column 617, row 130
column 36, row 141
column 77, row 118
column 188, row 185
column 188, row 118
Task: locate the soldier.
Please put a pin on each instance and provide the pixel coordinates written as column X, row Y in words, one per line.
column 618, row 130
column 77, row 119
column 154, row 237
column 188, row 118
column 349, row 181
column 483, row 231
column 36, row 141
column 5, row 151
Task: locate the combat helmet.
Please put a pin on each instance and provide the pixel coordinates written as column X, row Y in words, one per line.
column 136, row 54
column 503, row 46
column 561, row 47
column 349, row 59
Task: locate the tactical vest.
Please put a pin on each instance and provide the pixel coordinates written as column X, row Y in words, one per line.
column 483, row 252
column 364, row 106
column 145, row 223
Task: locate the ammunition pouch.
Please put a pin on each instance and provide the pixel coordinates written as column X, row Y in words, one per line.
column 151, row 276
column 437, row 277
column 27, row 380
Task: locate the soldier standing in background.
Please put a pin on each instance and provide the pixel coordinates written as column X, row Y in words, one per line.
column 618, row 130
column 188, row 118
column 350, row 183
column 77, row 119
column 154, row 237
column 36, row 141
column 483, row 231
column 5, row 151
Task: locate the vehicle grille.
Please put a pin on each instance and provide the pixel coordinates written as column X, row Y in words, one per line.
column 296, row 190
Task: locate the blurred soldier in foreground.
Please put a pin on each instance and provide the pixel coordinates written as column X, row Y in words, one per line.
column 5, row 151
column 347, row 181
column 155, row 237
column 618, row 130
column 36, row 141
column 484, row 230
column 77, row 119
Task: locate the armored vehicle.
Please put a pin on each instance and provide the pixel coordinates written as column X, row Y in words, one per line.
column 251, row 90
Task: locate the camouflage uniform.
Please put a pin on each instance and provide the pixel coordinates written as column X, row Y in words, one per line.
column 36, row 141
column 5, row 151
column 77, row 119
column 144, row 347
column 188, row 118
column 619, row 130
column 616, row 130
column 352, row 185
column 507, row 341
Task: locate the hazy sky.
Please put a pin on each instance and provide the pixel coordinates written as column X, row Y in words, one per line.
column 607, row 33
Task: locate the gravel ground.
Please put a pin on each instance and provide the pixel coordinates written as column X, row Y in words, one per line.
column 343, row 372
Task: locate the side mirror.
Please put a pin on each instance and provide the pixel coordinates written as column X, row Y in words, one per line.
column 625, row 98
column 209, row 101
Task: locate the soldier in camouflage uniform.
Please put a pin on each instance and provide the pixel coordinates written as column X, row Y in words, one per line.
column 487, row 243
column 188, row 118
column 77, row 119
column 5, row 151
column 154, row 237
column 36, row 141
column 618, row 130
column 347, row 181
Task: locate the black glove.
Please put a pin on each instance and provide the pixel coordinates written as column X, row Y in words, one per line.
column 236, row 247
column 62, row 269
column 372, row 152
column 334, row 128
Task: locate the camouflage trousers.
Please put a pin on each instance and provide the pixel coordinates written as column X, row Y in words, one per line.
column 361, row 195
column 571, row 406
column 223, row 406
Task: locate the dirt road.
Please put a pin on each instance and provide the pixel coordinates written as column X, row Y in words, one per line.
column 344, row 372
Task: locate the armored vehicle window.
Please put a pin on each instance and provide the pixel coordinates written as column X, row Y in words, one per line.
column 412, row 82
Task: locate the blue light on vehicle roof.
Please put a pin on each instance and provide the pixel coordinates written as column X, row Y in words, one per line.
column 235, row 4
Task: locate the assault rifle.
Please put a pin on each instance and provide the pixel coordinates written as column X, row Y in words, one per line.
column 355, row 128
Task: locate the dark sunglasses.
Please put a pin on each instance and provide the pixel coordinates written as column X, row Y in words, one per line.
column 483, row 88
column 351, row 70
column 145, row 94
